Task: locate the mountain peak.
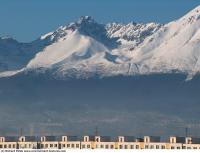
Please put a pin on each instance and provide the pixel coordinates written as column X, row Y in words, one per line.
column 85, row 19
column 82, row 22
column 87, row 26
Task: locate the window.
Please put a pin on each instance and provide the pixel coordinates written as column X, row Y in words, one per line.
column 9, row 146
column 126, row 146
column 107, row 146
column 14, row 146
column 1, row 146
column 147, row 139
column 88, row 146
column 162, row 147
column 172, row 147
column 5, row 146
column 72, row 145
column 63, row 145
column 173, row 140
column 2, row 139
column 120, row 147
column 157, row 147
column 46, row 145
column 64, row 138
column 189, row 141
column 42, row 146
column 86, row 139
column 23, row 139
column 194, row 147
column 111, row 146
column 55, row 145
column 68, row 145
column 83, row 146
column 188, row 147
column 102, row 146
column 97, row 139
column 184, row 147
column 132, row 146
column 146, row 147
column 77, row 145
column 178, row 147
column 151, row 147
column 51, row 145
column 43, row 138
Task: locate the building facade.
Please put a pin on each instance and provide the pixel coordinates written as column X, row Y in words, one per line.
column 98, row 142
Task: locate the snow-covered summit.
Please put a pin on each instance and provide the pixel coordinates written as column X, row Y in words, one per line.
column 82, row 22
column 131, row 34
column 85, row 48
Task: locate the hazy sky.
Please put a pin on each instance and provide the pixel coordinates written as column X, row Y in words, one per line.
column 26, row 20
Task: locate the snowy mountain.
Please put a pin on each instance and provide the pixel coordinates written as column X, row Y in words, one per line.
column 161, row 55
column 86, row 48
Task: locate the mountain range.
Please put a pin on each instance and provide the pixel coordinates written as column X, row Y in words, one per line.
column 124, row 78
column 86, row 48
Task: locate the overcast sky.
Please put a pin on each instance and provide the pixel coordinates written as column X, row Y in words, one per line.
column 26, row 20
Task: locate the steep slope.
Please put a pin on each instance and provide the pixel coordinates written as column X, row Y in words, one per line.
column 175, row 47
column 73, row 45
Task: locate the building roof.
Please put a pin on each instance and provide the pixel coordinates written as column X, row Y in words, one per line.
column 91, row 137
column 139, row 140
column 31, row 138
column 52, row 138
column 71, row 138
column 104, row 138
column 11, row 138
column 179, row 139
column 128, row 138
column 195, row 140
column 154, row 138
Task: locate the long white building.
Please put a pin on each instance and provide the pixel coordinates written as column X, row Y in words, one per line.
column 97, row 142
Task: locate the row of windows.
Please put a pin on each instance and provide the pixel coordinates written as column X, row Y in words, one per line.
column 27, row 146
column 86, row 146
column 129, row 147
column 184, row 147
column 154, row 147
column 15, row 146
column 70, row 145
column 8, row 146
column 49, row 145
column 105, row 146
column 172, row 147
